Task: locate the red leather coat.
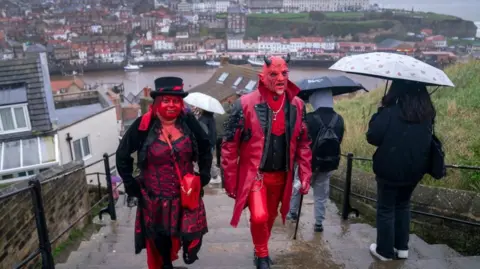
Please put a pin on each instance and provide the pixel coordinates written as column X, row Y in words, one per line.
column 246, row 133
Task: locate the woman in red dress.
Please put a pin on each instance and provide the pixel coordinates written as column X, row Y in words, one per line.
column 164, row 138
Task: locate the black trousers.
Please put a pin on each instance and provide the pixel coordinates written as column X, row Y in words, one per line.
column 164, row 245
column 218, row 147
column 393, row 218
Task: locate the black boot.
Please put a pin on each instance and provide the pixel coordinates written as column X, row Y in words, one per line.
column 255, row 259
column 263, row 263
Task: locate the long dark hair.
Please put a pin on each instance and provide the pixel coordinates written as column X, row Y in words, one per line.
column 413, row 100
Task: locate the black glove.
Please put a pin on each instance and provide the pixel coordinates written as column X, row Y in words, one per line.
column 202, row 193
column 132, row 188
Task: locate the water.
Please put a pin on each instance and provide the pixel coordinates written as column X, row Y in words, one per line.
column 193, row 76
column 465, row 9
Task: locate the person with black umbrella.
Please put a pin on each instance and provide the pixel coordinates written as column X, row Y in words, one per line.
column 326, row 129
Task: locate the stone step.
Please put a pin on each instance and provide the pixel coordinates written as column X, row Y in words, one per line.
column 193, row 266
column 341, row 245
column 445, row 250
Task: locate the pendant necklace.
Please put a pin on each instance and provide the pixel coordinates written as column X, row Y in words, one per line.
column 275, row 113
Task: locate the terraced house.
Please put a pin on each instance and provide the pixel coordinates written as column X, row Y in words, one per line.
column 40, row 129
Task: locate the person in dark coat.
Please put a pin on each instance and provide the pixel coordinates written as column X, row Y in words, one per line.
column 220, row 126
column 207, row 118
column 161, row 220
column 402, row 132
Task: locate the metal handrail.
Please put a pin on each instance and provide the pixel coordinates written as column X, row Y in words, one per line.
column 347, row 208
column 35, row 188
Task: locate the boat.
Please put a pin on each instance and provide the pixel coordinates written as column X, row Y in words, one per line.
column 132, row 67
column 213, row 63
column 255, row 62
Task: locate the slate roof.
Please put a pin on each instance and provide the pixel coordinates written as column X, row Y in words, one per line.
column 223, row 90
column 28, row 72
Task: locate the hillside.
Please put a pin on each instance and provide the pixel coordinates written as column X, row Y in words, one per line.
column 457, row 124
column 345, row 23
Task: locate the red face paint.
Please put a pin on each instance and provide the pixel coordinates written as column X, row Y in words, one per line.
column 169, row 107
column 275, row 75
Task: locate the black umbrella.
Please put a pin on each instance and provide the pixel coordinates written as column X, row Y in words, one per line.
column 337, row 84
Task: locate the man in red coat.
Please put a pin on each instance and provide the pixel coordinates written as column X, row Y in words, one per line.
column 264, row 136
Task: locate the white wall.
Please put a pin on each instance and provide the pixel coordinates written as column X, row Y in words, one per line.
column 103, row 133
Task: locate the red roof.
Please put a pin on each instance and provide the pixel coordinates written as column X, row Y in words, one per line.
column 57, row 85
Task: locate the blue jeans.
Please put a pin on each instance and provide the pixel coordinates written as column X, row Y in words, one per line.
column 321, row 189
column 393, row 218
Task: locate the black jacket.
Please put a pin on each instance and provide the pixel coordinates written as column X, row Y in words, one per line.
column 326, row 114
column 403, row 149
column 208, row 119
column 138, row 141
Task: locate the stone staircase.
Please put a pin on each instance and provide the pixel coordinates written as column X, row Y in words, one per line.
column 341, row 245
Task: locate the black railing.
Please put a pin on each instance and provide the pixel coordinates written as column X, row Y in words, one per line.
column 35, row 188
column 347, row 209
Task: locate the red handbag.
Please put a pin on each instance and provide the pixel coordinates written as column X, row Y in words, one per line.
column 190, row 185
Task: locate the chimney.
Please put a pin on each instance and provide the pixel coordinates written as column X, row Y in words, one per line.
column 224, row 60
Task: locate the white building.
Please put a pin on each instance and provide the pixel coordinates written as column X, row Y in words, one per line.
column 273, row 44
column 33, row 127
column 237, row 43
column 201, row 7
column 88, row 139
column 161, row 43
column 277, row 44
column 184, row 7
column 221, row 6
column 324, row 5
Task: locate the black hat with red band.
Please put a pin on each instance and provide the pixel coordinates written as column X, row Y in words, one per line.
column 168, row 86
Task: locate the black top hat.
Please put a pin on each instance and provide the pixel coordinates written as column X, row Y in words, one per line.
column 168, row 86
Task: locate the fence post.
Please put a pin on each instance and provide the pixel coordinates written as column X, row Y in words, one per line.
column 99, row 187
column 348, row 184
column 42, row 230
column 111, row 203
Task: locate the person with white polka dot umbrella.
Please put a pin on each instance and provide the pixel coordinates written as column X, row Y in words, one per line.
column 393, row 66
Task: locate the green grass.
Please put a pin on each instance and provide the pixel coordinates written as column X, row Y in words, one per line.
column 221, row 15
column 5, row 185
column 344, row 15
column 283, row 16
column 458, row 118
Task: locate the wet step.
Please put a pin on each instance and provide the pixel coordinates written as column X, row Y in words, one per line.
column 341, row 245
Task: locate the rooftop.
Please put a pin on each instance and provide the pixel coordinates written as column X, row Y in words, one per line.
column 229, row 80
column 73, row 107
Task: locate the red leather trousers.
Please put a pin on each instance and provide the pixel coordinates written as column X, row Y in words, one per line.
column 263, row 202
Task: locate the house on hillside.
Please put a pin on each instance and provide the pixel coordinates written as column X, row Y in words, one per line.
column 40, row 130
column 68, row 85
column 229, row 82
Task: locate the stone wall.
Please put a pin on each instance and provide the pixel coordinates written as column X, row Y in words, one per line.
column 65, row 199
column 458, row 204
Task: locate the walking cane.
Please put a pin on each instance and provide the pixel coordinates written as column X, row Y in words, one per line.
column 298, row 217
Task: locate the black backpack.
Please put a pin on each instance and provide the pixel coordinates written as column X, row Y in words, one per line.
column 326, row 147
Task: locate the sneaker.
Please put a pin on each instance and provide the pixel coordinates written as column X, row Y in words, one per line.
column 401, row 254
column 373, row 251
column 318, row 228
column 292, row 216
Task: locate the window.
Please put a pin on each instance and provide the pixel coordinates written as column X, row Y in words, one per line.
column 251, row 84
column 14, row 119
column 28, row 153
column 239, row 79
column 81, row 148
column 222, row 77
